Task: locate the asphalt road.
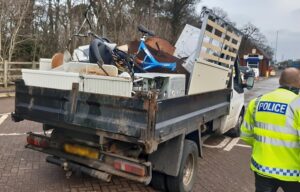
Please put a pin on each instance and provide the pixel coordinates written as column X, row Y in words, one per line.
column 224, row 168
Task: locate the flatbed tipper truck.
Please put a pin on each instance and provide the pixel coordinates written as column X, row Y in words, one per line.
column 141, row 138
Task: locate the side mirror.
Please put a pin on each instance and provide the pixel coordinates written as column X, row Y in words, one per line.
column 249, row 83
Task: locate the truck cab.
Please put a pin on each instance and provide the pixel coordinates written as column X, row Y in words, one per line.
column 232, row 122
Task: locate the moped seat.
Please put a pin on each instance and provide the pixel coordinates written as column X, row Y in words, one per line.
column 143, row 29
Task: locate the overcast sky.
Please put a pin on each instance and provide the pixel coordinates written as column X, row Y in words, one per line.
column 270, row 16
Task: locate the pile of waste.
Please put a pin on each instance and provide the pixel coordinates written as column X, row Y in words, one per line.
column 150, row 64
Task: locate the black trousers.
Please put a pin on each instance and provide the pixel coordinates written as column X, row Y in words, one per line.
column 265, row 184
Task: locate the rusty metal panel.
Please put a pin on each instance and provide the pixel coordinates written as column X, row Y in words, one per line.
column 112, row 114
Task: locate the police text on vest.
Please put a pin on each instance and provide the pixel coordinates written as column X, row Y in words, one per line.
column 272, row 107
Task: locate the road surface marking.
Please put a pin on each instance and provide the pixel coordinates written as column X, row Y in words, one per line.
column 220, row 145
column 12, row 134
column 241, row 145
column 205, row 137
column 5, row 114
column 3, row 118
column 7, row 95
column 232, row 143
column 20, row 134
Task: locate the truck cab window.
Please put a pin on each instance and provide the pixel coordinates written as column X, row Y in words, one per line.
column 237, row 80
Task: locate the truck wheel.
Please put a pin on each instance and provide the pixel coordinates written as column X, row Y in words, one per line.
column 158, row 181
column 188, row 169
column 236, row 131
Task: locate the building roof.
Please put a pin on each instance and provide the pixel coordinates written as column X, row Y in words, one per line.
column 247, row 46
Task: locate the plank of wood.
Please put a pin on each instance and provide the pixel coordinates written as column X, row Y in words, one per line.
column 226, row 52
column 210, row 57
column 95, row 70
column 225, row 61
column 231, row 45
column 215, row 37
column 211, row 46
column 234, row 36
column 216, row 26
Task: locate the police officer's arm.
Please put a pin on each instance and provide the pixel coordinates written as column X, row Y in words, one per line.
column 247, row 133
column 295, row 108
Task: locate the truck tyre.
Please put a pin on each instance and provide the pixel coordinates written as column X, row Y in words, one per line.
column 236, row 131
column 158, row 181
column 188, row 169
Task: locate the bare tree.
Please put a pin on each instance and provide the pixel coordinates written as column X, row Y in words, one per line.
column 222, row 14
column 253, row 35
column 178, row 11
column 1, row 22
column 43, row 27
column 252, row 32
column 18, row 11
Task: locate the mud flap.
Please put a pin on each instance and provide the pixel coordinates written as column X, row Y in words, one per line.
column 168, row 156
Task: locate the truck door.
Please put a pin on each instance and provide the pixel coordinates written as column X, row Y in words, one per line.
column 237, row 98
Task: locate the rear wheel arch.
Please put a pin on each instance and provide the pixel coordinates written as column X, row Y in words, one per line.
column 185, row 180
column 195, row 136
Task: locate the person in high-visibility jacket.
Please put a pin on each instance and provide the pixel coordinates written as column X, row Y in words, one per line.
column 272, row 127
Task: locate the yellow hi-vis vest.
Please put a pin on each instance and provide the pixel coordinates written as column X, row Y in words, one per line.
column 272, row 127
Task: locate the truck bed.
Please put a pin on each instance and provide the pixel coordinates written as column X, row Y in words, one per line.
column 142, row 119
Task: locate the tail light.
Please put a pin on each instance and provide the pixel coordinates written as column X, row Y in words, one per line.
column 37, row 141
column 132, row 168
